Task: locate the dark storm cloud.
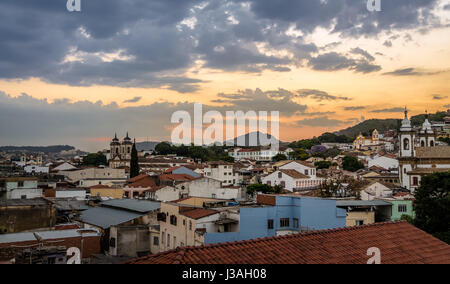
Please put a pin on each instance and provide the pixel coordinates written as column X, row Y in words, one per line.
column 334, row 61
column 389, row 110
column 156, row 49
column 439, row 97
column 348, row 17
column 324, row 122
column 354, row 108
column 67, row 122
column 411, row 72
column 319, row 95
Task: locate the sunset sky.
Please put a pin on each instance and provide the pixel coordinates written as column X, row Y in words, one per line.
column 127, row 65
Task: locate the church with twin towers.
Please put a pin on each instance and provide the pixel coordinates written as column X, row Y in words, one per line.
column 120, row 156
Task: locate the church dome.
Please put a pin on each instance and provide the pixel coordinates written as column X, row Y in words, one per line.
column 426, row 126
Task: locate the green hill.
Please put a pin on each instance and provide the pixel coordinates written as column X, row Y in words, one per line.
column 366, row 127
column 382, row 125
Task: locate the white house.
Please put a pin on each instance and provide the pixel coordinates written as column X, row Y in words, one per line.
column 164, row 194
column 223, row 172
column 377, row 190
column 302, row 167
column 291, row 180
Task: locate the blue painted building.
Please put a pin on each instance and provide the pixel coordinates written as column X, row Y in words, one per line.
column 280, row 215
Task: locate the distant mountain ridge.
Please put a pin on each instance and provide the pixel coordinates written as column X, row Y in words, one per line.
column 43, row 149
column 246, row 138
column 146, row 146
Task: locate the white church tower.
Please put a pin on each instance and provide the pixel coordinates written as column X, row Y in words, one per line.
column 426, row 135
column 407, row 150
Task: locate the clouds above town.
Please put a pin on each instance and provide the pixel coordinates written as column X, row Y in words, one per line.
column 140, row 43
column 195, row 50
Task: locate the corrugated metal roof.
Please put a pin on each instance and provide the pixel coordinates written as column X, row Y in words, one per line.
column 141, row 206
column 47, row 235
column 106, row 217
column 340, row 203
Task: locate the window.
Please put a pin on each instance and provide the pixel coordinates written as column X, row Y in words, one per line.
column 168, row 240
column 296, row 223
column 432, row 144
column 163, row 237
column 306, row 172
column 155, row 241
column 112, row 242
column 190, row 225
column 280, row 175
column 422, row 144
column 406, row 144
column 20, row 184
column 415, row 181
column 359, row 222
column 214, row 196
column 284, row 222
column 270, row 224
column 173, row 220
column 402, row 208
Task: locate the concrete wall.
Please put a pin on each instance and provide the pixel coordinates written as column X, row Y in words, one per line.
column 15, row 219
column 367, row 216
column 94, row 173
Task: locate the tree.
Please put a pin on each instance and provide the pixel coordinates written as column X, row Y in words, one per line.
column 351, row 164
column 263, row 188
column 134, row 163
column 164, row 148
column 322, row 165
column 432, row 205
column 95, row 160
column 279, row 157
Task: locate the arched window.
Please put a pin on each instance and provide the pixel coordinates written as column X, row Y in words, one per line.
column 431, row 143
column 422, row 144
column 406, row 144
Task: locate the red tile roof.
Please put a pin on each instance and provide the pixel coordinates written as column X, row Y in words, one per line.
column 399, row 242
column 143, row 182
column 198, row 213
column 136, row 178
column 295, row 174
column 176, row 177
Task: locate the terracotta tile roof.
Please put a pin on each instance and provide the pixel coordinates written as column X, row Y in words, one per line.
column 176, row 177
column 198, row 213
column 294, row 174
column 99, row 186
column 143, row 182
column 170, row 170
column 139, row 177
column 399, row 242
